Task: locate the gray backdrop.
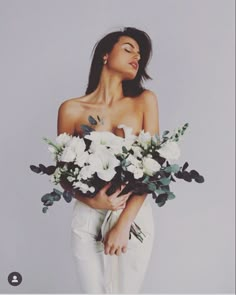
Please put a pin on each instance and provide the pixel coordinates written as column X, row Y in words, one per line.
column 45, row 56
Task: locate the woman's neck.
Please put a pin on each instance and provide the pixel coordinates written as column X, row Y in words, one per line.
column 109, row 89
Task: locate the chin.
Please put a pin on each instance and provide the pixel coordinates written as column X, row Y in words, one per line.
column 129, row 76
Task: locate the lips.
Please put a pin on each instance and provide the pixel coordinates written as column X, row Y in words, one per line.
column 134, row 64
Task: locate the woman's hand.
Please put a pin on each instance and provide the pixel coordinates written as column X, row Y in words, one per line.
column 116, row 240
column 112, row 202
column 101, row 200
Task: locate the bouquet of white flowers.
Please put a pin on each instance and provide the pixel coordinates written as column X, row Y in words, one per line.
column 145, row 163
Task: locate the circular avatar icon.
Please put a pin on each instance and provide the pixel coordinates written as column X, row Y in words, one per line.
column 14, row 278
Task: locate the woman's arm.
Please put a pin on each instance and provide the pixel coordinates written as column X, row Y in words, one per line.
column 66, row 121
column 117, row 237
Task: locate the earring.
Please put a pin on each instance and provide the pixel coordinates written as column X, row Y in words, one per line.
column 105, row 61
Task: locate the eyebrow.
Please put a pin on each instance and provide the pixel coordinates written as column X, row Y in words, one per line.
column 131, row 46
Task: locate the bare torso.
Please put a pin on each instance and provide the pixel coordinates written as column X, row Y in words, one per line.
column 128, row 111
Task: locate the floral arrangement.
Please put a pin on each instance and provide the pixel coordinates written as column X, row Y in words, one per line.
column 145, row 163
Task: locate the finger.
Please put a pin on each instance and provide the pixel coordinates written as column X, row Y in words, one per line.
column 117, row 192
column 118, row 251
column 106, row 186
column 124, row 249
column 122, row 198
column 106, row 249
column 120, row 207
column 112, row 250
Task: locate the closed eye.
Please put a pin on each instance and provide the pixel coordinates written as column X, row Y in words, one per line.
column 127, row 50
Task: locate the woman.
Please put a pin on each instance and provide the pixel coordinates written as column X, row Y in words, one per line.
column 116, row 264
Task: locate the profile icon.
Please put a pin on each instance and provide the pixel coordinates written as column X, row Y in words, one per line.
column 14, row 278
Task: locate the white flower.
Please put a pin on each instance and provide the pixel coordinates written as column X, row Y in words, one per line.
column 63, row 138
column 77, row 145
column 70, row 178
column 103, row 139
column 137, row 151
column 128, row 131
column 104, row 163
column 74, row 149
column 150, row 166
column 68, row 155
column 55, row 178
column 81, row 159
column 170, row 151
column 86, row 172
column 133, row 160
column 82, row 186
column 92, row 189
column 144, row 138
column 137, row 172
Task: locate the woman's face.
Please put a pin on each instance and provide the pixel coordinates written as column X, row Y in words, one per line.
column 124, row 58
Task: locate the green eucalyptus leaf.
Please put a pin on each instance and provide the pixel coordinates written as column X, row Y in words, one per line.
column 172, row 168
column 57, row 192
column 86, row 129
column 124, row 149
column 170, row 195
column 152, row 187
column 35, row 169
column 185, row 166
column 46, row 197
column 146, row 179
column 48, row 203
column 165, row 181
column 165, row 133
column 45, row 209
column 92, row 121
column 199, row 179
column 56, row 197
column 159, row 191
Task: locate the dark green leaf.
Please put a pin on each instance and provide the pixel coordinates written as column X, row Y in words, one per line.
column 194, row 174
column 50, row 170
column 92, row 121
column 45, row 209
column 124, row 149
column 151, row 186
column 172, row 168
column 185, row 166
column 172, row 178
column 56, row 191
column 162, row 197
column 186, row 176
column 164, row 181
column 199, row 179
column 165, row 133
column 48, row 203
column 46, row 197
column 67, row 195
column 56, row 198
column 170, row 196
column 160, row 204
column 35, row 169
column 86, row 129
column 179, row 174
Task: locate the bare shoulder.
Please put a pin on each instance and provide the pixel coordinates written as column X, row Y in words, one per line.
column 148, row 95
column 148, row 98
column 71, row 106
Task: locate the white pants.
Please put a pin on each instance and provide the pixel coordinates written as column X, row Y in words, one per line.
column 100, row 273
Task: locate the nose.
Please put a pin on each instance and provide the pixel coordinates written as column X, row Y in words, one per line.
column 137, row 56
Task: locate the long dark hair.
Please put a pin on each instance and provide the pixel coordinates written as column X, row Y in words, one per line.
column 130, row 87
